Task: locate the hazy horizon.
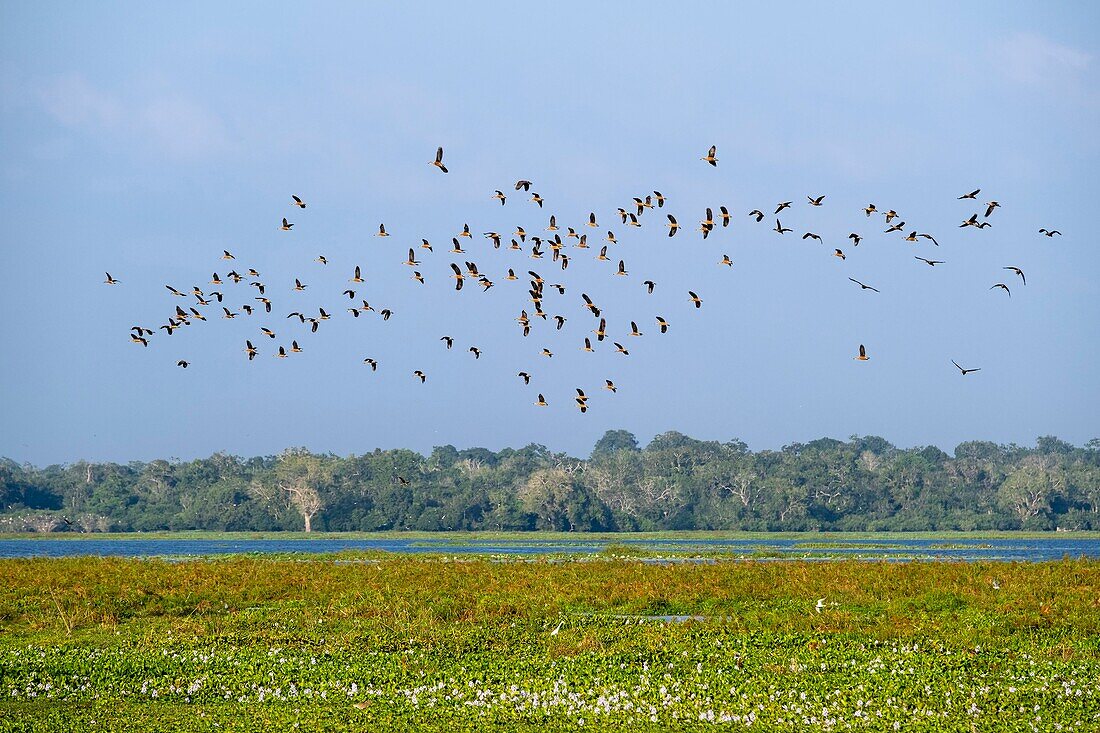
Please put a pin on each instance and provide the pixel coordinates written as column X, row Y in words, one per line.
column 643, row 441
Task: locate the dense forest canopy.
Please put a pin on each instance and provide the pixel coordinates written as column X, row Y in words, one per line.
column 675, row 482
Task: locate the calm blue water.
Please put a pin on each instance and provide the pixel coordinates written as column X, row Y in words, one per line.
column 1051, row 548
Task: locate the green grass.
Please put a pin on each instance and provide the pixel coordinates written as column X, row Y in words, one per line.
column 466, row 644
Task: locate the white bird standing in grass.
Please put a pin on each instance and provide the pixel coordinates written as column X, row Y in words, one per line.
column 557, row 628
column 820, row 605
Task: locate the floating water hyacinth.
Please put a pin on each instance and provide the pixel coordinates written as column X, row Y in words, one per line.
column 421, row 643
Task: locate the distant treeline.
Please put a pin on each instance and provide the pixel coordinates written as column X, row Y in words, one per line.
column 673, row 483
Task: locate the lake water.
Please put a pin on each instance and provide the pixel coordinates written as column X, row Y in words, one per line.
column 1048, row 548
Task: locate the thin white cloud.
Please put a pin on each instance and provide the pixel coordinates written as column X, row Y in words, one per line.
column 75, row 103
column 1032, row 59
column 182, row 127
column 164, row 123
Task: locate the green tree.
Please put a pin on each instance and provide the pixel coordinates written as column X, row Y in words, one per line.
column 615, row 440
column 298, row 480
column 1028, row 489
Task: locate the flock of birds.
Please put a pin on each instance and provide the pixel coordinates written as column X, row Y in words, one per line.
column 631, row 215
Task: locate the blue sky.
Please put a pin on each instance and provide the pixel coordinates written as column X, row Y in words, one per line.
column 144, row 141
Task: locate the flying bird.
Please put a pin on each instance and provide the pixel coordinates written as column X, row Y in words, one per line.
column 931, row 263
column 965, row 371
column 862, row 286
column 110, row 280
column 438, row 162
column 862, row 354
column 972, row 194
column 709, row 157
column 1018, row 271
column 1002, row 286
column 298, row 202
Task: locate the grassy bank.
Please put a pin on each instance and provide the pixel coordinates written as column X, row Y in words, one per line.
column 436, row 643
